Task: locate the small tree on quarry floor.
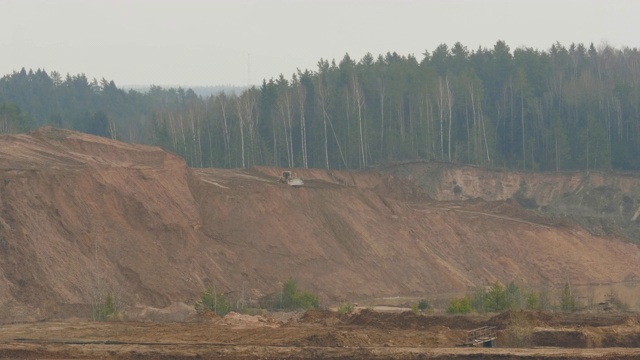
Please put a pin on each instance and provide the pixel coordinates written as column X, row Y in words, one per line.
column 496, row 298
column 292, row 298
column 214, row 301
column 568, row 300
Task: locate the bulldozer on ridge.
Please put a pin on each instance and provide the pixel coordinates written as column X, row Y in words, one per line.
column 291, row 179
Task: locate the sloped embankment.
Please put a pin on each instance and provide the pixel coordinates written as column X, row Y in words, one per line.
column 82, row 216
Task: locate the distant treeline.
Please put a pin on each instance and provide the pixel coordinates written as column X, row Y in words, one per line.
column 559, row 109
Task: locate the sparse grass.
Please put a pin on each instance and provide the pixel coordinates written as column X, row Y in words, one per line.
column 346, row 308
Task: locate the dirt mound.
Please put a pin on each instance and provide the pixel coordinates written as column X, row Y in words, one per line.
column 319, row 316
column 410, row 320
column 177, row 312
column 563, row 319
column 208, row 315
column 592, row 319
column 235, row 319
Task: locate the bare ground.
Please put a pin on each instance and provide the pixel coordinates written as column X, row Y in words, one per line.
column 83, row 216
column 327, row 335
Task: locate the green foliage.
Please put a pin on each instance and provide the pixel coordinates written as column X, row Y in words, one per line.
column 558, row 109
column 567, row 300
column 513, row 296
column 423, row 305
column 213, row 301
column 543, row 300
column 13, row 120
column 496, row 298
column 98, row 124
column 292, row 298
column 460, row 306
column 346, row 308
column 104, row 308
column 532, row 301
column 477, row 299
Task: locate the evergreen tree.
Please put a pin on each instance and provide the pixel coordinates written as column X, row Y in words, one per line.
column 565, row 108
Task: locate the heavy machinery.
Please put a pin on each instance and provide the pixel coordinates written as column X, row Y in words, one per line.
column 291, row 179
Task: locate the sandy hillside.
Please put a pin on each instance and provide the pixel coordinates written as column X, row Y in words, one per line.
column 81, row 216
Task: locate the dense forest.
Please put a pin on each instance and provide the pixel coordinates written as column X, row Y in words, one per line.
column 558, row 109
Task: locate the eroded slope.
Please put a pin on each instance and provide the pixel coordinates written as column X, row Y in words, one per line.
column 81, row 216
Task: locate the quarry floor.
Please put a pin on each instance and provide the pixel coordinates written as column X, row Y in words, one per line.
column 328, row 335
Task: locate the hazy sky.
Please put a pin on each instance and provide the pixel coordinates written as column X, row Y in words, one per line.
column 236, row 42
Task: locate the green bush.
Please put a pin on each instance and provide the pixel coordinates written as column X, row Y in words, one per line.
column 292, row 298
column 568, row 300
column 346, row 308
column 103, row 309
column 537, row 300
column 213, row 301
column 423, row 305
column 496, row 298
column 532, row 301
column 460, row 306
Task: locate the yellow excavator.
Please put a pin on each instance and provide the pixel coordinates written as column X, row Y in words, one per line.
column 291, row 179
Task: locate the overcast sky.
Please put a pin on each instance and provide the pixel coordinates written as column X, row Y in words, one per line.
column 236, row 42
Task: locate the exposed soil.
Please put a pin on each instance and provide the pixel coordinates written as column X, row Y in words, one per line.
column 604, row 203
column 83, row 216
column 364, row 335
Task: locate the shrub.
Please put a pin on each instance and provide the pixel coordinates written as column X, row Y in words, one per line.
column 423, row 305
column 532, row 301
column 292, row 298
column 213, row 301
column 105, row 308
column 460, row 306
column 519, row 331
column 346, row 308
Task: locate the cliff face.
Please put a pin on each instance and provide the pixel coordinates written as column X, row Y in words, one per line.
column 603, row 203
column 83, row 216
